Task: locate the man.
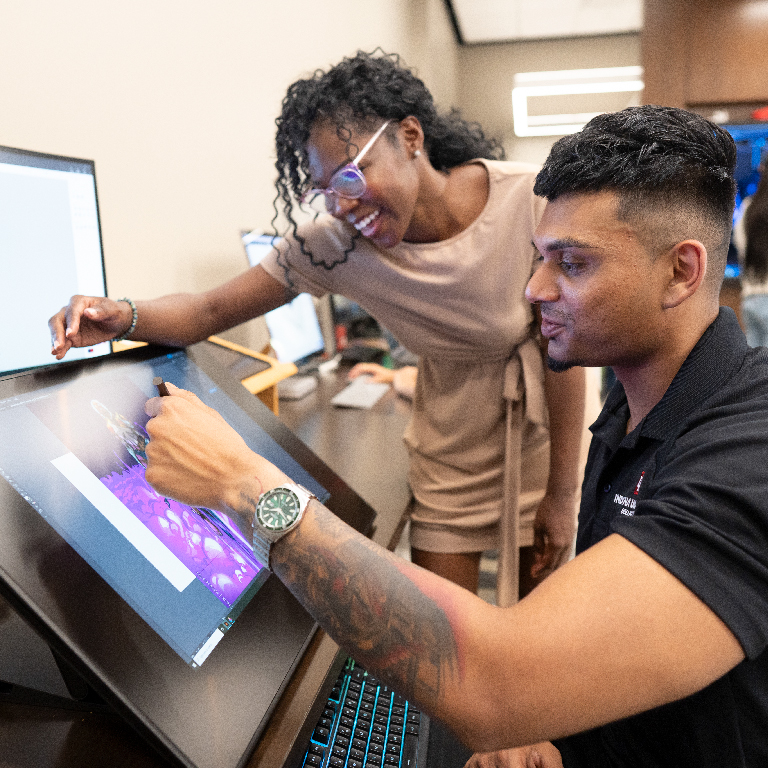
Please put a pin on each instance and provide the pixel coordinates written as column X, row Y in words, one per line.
column 647, row 648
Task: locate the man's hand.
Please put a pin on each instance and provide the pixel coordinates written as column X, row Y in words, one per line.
column 553, row 533
column 195, row 457
column 87, row 320
column 543, row 755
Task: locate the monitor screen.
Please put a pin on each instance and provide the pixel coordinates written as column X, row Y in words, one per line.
column 50, row 249
column 163, row 609
column 294, row 328
column 75, row 451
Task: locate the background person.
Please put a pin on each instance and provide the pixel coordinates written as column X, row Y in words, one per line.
column 432, row 236
column 648, row 648
column 754, row 264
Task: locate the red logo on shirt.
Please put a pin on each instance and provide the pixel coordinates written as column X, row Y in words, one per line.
column 639, row 483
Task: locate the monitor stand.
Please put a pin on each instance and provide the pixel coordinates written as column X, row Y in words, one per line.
column 32, row 673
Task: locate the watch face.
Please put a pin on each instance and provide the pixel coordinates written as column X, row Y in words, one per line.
column 278, row 509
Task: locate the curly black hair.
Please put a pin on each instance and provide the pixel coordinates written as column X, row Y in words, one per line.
column 647, row 154
column 359, row 92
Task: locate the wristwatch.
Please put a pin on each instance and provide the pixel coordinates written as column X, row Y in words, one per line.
column 278, row 511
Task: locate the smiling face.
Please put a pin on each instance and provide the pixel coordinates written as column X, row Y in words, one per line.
column 385, row 210
column 601, row 292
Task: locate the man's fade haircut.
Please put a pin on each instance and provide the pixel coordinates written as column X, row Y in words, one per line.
column 653, row 158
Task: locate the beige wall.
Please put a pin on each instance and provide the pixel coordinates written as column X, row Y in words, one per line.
column 487, row 72
column 175, row 100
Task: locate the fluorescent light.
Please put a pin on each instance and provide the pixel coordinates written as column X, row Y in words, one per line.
column 567, row 83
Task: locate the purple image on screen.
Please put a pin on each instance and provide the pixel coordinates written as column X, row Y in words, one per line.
column 212, row 548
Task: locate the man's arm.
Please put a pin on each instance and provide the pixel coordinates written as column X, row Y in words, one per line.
column 609, row 634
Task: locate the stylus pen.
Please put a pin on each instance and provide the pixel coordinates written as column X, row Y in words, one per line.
column 161, row 388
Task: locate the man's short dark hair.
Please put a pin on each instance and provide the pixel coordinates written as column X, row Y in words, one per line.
column 651, row 156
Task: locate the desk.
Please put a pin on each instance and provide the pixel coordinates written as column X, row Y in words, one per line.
column 365, row 449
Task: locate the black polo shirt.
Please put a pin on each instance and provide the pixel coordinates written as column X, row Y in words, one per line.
column 689, row 486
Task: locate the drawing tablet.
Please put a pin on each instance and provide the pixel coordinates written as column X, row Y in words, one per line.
column 162, row 609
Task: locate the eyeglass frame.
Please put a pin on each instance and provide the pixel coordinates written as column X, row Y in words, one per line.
column 329, row 192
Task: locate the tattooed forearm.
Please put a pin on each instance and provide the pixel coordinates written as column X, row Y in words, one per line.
column 370, row 604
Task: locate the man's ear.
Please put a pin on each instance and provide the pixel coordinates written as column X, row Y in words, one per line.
column 688, row 262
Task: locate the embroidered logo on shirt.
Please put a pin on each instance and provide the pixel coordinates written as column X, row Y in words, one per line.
column 628, row 505
column 639, row 483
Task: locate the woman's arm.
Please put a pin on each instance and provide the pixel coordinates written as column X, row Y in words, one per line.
column 555, row 524
column 177, row 319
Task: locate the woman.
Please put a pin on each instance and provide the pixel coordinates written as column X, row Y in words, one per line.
column 432, row 235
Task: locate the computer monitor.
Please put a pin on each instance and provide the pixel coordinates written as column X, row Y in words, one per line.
column 161, row 608
column 50, row 249
column 294, row 328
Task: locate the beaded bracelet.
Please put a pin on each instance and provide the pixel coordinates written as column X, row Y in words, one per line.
column 134, row 320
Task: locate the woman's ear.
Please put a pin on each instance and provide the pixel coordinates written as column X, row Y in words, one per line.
column 688, row 263
column 412, row 134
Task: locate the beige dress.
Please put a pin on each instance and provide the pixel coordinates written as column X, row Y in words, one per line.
column 479, row 412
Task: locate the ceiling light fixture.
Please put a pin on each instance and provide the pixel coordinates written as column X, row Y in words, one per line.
column 566, row 83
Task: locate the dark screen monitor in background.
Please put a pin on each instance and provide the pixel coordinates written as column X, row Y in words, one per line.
column 160, row 608
column 50, row 249
column 294, row 328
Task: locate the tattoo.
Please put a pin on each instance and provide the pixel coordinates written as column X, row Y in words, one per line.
column 372, row 606
column 247, row 508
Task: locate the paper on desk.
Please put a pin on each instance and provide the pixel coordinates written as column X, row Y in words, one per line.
column 361, row 393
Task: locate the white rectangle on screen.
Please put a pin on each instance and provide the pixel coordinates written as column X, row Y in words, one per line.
column 124, row 521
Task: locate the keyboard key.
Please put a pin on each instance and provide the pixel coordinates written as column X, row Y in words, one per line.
column 348, row 722
column 412, row 729
column 392, row 759
column 410, row 748
column 341, row 741
column 339, row 751
column 377, row 738
column 336, row 762
column 354, row 763
column 413, row 717
column 313, row 759
column 359, row 744
column 321, row 735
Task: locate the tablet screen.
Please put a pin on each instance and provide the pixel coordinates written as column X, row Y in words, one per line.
column 76, row 452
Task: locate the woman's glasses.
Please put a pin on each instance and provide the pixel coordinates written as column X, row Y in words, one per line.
column 348, row 182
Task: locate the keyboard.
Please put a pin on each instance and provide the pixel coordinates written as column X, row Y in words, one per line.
column 365, row 724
